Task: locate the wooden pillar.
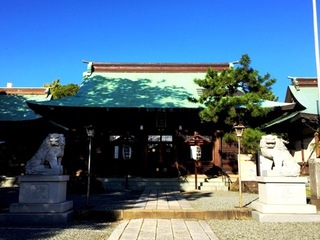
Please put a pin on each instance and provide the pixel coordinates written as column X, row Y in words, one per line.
column 216, row 149
column 317, row 148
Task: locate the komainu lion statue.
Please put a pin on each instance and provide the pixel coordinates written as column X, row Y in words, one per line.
column 47, row 160
column 276, row 157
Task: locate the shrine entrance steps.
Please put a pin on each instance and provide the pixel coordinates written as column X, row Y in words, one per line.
column 184, row 184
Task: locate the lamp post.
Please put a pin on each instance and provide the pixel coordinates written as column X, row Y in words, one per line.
column 239, row 131
column 90, row 133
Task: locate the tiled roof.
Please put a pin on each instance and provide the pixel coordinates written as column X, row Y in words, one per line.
column 307, row 97
column 108, row 85
column 134, row 90
column 14, row 108
column 273, row 104
column 139, row 85
column 283, row 119
column 304, row 93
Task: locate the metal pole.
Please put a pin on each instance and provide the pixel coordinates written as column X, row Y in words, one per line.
column 316, row 45
column 239, row 173
column 89, row 166
column 195, row 175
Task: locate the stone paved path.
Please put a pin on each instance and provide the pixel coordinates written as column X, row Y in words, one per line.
column 162, row 199
column 166, row 229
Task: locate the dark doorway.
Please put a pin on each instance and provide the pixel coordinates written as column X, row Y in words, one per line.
column 160, row 158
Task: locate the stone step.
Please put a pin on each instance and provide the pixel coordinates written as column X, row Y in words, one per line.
column 217, row 182
column 213, row 184
column 204, row 184
column 214, row 188
column 181, row 184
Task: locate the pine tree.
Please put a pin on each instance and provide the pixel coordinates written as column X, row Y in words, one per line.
column 233, row 96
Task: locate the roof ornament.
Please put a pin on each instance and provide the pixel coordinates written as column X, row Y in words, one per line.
column 231, row 64
column 295, row 82
column 89, row 68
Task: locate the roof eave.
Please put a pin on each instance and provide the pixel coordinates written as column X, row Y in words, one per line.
column 157, row 67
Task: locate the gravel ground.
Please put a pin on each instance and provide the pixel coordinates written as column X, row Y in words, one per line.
column 248, row 229
column 218, row 200
column 224, row 229
column 92, row 231
column 253, row 230
column 80, row 228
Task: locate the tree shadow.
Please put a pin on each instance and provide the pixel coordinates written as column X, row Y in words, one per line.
column 54, row 231
column 101, row 91
column 113, row 200
column 99, row 94
column 192, row 196
column 123, row 92
column 15, row 108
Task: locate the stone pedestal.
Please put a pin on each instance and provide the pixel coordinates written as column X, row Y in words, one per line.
column 283, row 199
column 42, row 200
column 314, row 174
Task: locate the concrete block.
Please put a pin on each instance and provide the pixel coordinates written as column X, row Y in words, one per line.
column 282, row 190
column 43, row 189
column 42, row 201
column 314, row 173
column 39, row 219
column 282, row 208
column 285, row 217
column 283, row 199
column 41, row 207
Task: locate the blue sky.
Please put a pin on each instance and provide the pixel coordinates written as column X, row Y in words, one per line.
column 42, row 40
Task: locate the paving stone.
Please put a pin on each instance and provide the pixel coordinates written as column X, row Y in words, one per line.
column 164, row 230
column 116, row 234
column 148, row 229
column 196, row 231
column 132, row 230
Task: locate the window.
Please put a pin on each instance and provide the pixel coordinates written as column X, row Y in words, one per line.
column 160, row 138
column 166, row 138
column 153, row 138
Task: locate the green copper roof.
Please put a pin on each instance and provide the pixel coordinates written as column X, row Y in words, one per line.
column 14, row 108
column 272, row 104
column 134, row 90
column 139, row 90
column 307, row 97
column 283, row 119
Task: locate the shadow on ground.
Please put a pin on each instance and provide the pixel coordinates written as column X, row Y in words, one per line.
column 191, row 196
column 103, row 207
column 85, row 209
